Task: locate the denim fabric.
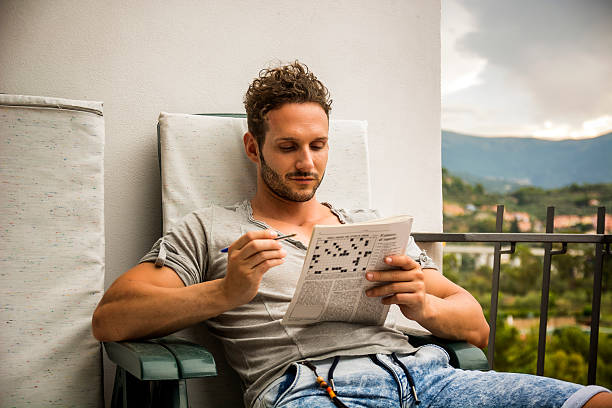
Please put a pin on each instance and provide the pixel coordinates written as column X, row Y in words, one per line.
column 360, row 382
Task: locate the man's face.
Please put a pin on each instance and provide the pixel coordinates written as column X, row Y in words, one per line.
column 294, row 154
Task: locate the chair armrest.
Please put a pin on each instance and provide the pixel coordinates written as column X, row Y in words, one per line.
column 194, row 360
column 462, row 354
column 166, row 358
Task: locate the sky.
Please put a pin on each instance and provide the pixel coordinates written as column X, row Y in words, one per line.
column 539, row 68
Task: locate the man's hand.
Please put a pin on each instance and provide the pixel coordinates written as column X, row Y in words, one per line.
column 404, row 286
column 247, row 260
column 443, row 308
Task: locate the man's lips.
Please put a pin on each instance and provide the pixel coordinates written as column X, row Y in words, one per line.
column 302, row 179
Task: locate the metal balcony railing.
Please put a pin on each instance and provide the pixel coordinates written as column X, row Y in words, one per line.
column 599, row 240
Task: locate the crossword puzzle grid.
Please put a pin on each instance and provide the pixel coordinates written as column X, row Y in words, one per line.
column 341, row 254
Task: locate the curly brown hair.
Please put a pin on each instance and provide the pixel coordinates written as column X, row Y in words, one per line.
column 291, row 83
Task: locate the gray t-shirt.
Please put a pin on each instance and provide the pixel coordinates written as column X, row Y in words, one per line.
column 257, row 345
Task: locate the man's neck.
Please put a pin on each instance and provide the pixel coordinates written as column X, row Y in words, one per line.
column 292, row 212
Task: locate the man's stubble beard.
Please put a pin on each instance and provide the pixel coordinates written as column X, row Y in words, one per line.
column 277, row 185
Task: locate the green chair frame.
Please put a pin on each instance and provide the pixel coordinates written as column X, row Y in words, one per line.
column 153, row 373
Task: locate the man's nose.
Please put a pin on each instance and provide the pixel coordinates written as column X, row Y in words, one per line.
column 305, row 160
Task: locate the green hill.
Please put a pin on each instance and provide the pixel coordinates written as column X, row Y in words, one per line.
column 506, row 163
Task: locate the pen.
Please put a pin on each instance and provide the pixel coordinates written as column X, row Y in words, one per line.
column 224, row 250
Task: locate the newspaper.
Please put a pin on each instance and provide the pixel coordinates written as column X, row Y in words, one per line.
column 332, row 284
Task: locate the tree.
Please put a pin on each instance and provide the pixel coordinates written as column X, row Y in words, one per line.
column 519, row 280
column 514, row 226
column 566, row 365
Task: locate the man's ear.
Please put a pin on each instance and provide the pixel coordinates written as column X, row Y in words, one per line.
column 251, row 147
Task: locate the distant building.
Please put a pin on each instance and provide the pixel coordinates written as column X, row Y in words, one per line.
column 452, row 209
column 568, row 221
column 483, row 254
column 522, row 218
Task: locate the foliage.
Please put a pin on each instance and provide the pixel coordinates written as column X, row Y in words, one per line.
column 567, row 348
column 454, row 189
column 566, row 358
column 580, row 200
column 520, row 281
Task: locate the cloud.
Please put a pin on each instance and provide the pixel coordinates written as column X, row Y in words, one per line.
column 552, row 56
column 460, row 70
column 590, row 128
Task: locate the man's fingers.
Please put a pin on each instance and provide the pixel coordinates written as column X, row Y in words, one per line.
column 396, row 288
column 250, row 236
column 254, row 261
column 267, row 264
column 395, row 275
column 401, row 261
column 257, row 246
column 402, row 299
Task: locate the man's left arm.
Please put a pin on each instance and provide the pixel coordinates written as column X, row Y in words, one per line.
column 426, row 296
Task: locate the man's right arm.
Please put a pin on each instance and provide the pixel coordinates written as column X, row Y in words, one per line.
column 149, row 301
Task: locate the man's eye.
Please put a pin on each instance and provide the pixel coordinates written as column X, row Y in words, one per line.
column 287, row 148
column 317, row 146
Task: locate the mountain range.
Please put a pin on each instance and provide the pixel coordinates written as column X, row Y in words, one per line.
column 505, row 163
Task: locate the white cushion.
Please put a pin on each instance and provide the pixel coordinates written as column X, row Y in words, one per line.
column 51, row 250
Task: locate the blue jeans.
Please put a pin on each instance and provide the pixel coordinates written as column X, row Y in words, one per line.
column 361, row 381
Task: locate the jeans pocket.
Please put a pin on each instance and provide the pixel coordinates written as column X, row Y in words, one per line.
column 290, row 379
column 274, row 393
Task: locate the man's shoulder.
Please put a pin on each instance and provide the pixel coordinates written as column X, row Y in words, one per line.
column 237, row 209
column 354, row 215
column 214, row 214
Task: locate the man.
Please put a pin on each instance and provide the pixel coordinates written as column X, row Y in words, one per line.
column 186, row 279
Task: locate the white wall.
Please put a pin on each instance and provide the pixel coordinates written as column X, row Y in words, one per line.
column 380, row 60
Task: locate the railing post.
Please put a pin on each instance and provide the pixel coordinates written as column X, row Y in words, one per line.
column 550, row 225
column 596, row 305
column 495, row 288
